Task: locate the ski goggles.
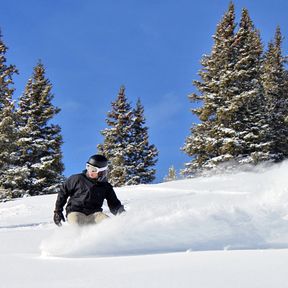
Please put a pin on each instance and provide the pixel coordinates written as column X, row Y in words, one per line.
column 96, row 169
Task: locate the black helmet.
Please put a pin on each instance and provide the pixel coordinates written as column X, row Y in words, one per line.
column 98, row 161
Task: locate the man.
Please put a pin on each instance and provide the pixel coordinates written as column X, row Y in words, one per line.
column 86, row 192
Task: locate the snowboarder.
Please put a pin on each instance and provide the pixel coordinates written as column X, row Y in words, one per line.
column 86, row 192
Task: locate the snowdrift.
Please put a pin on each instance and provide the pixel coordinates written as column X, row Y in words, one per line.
column 246, row 210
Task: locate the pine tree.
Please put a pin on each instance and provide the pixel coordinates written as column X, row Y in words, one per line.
column 142, row 156
column 116, row 146
column 8, row 132
column 247, row 107
column 275, row 83
column 233, row 115
column 204, row 142
column 126, row 144
column 172, row 175
column 39, row 141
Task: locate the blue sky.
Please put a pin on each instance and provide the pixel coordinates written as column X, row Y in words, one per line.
column 153, row 47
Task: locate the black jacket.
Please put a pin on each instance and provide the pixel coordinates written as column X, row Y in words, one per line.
column 87, row 196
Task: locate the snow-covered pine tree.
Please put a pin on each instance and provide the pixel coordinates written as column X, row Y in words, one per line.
column 246, row 110
column 206, row 143
column 142, row 156
column 242, row 114
column 116, row 146
column 8, row 133
column 39, row 140
column 275, row 83
column 172, row 174
column 233, row 116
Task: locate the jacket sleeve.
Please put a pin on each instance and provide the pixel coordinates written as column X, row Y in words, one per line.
column 113, row 202
column 63, row 194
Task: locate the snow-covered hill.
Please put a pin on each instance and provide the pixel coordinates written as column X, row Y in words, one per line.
column 205, row 232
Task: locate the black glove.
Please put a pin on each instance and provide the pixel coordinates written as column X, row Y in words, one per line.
column 121, row 210
column 58, row 217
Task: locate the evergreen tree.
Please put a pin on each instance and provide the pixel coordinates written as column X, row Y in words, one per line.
column 126, row 144
column 233, row 116
column 204, row 142
column 247, row 106
column 39, row 141
column 172, row 175
column 116, row 146
column 275, row 83
column 8, row 133
column 142, row 156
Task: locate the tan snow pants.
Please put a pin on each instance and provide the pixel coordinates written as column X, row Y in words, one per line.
column 82, row 219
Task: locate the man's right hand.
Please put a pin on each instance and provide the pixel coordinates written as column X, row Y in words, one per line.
column 58, row 217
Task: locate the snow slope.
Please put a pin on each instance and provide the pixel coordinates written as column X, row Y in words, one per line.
column 221, row 231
